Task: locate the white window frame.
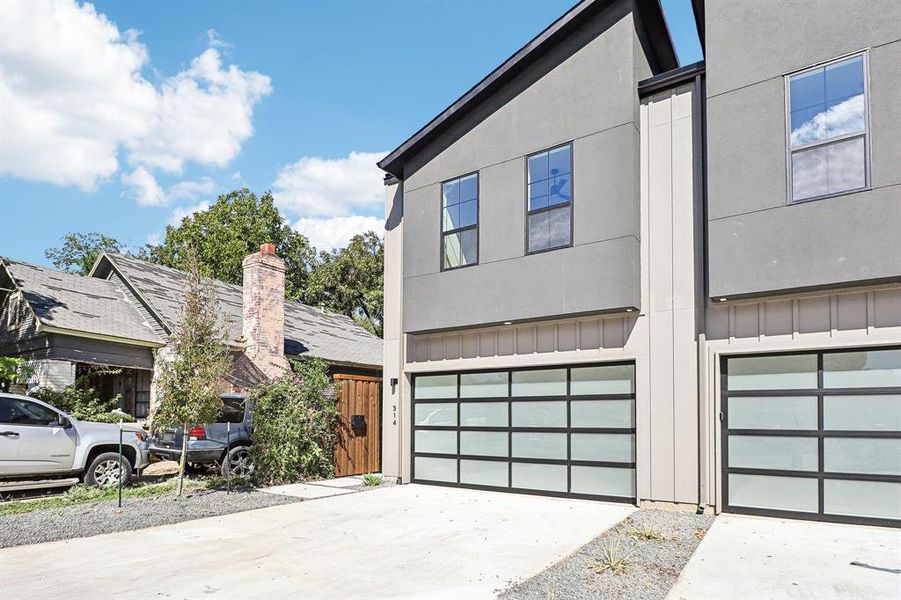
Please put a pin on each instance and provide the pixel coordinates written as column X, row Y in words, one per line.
column 789, row 151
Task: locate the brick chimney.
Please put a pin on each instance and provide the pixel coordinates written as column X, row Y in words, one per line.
column 264, row 311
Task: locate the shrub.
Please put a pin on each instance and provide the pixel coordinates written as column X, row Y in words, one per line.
column 80, row 400
column 294, row 425
column 13, row 371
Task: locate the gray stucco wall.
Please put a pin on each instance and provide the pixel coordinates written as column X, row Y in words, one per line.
column 757, row 242
column 584, row 94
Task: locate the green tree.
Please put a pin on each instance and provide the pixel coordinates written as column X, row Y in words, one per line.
column 13, row 370
column 79, row 251
column 233, row 227
column 350, row 281
column 294, row 425
column 196, row 362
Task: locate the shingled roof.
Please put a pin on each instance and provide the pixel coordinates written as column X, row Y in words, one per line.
column 308, row 331
column 70, row 302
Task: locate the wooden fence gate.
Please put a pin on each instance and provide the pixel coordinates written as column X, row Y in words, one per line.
column 358, row 448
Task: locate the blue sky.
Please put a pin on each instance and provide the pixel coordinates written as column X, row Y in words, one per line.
column 122, row 117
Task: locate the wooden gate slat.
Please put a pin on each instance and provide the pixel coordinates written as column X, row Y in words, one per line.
column 358, row 452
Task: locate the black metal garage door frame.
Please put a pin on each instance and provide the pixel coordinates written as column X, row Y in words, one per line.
column 510, row 430
column 821, row 434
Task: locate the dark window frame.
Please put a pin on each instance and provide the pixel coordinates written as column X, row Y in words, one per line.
column 443, row 234
column 820, row 433
column 571, row 204
column 790, row 152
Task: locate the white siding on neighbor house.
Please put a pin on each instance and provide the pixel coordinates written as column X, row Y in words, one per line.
column 863, row 317
column 660, row 339
column 51, row 374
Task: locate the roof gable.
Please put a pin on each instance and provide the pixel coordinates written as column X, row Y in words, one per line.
column 653, row 34
column 308, row 331
column 80, row 305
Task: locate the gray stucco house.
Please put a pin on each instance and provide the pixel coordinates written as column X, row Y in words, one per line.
column 123, row 313
column 612, row 277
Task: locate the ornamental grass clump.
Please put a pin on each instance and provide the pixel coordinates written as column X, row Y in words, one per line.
column 295, row 422
column 613, row 559
column 371, row 479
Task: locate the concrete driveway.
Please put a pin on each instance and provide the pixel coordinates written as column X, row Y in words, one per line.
column 755, row 557
column 400, row 541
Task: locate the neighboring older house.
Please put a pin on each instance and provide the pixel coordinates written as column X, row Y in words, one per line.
column 123, row 313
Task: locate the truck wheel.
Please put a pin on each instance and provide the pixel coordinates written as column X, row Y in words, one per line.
column 238, row 461
column 104, row 470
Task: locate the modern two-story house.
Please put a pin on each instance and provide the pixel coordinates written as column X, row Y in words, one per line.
column 612, row 277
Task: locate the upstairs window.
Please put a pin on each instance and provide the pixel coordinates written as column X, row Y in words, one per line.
column 460, row 222
column 550, row 196
column 827, row 139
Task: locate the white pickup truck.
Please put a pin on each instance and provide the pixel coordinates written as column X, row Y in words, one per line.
column 37, row 441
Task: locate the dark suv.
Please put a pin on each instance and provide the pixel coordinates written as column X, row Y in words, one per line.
column 225, row 442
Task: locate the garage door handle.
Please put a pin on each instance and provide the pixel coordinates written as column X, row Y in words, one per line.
column 9, row 433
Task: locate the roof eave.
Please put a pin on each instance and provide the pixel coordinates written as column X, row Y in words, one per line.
column 651, row 14
column 697, row 7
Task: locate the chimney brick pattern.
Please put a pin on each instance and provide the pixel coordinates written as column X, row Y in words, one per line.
column 264, row 311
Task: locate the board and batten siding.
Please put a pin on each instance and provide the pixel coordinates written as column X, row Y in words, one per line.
column 866, row 317
column 660, row 337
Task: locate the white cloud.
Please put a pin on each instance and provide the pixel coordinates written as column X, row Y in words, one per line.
column 75, row 101
column 143, row 187
column 845, row 117
column 191, row 190
column 322, row 187
column 204, row 115
column 335, row 232
column 214, row 40
column 153, row 239
column 181, row 212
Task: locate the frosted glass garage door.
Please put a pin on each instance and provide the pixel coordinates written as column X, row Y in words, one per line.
column 559, row 431
column 814, row 434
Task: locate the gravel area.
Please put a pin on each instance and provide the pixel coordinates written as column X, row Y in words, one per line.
column 83, row 520
column 652, row 565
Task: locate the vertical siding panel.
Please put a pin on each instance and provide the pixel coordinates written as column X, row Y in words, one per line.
column 684, row 351
column 660, row 266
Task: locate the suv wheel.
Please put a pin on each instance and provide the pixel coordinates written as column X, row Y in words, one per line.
column 238, row 461
column 104, row 470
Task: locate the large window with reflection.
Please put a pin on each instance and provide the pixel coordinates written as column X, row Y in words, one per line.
column 549, row 197
column 827, row 137
column 460, row 222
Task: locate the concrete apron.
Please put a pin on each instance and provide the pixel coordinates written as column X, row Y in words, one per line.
column 398, row 542
column 757, row 557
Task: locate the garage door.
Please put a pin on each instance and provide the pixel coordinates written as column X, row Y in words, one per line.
column 566, row 431
column 814, row 435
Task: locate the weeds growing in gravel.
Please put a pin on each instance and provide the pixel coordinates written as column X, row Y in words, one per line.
column 646, row 532
column 613, row 559
column 83, row 494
